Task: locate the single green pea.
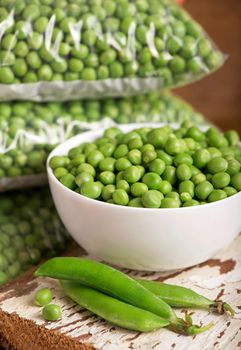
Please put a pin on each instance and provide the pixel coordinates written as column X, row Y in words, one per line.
column 138, row 189
column 217, row 195
column 169, row 174
column 236, row 181
column 58, row 162
column 121, row 151
column 52, row 312
column 198, row 178
column 185, row 196
column 170, row 203
column 230, row 191
column 68, row 180
column 220, row 180
column 191, row 203
column 217, row 164
column 201, row 157
column 152, row 180
column 43, row 297
column 123, row 184
column 167, row 159
column 107, row 149
column 233, row 137
column 157, row 166
column 175, row 146
column 94, row 157
column 107, row 177
column 233, row 167
column 107, row 164
column 165, row 187
column 152, row 199
column 122, row 164
column 183, row 172
column 132, row 174
column 91, row 189
column 87, row 168
column 136, row 203
column 148, row 156
column 107, row 192
column 203, row 190
column 83, row 177
column 135, row 156
column 183, row 158
column 120, row 197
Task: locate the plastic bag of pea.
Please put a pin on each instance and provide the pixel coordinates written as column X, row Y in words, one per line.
column 30, row 230
column 30, row 130
column 61, row 50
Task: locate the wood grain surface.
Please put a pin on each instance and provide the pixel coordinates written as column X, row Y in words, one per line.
column 23, row 327
column 219, row 95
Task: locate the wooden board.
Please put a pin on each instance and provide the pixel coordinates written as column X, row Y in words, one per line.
column 22, row 327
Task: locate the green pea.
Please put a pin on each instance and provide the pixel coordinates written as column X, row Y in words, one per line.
column 107, row 177
column 83, row 177
column 121, row 151
column 233, row 167
column 94, row 157
column 107, row 164
column 43, row 297
column 165, row 187
column 217, row 195
column 236, row 181
column 68, row 180
column 132, row 174
column 138, row 189
column 230, row 191
column 183, row 172
column 175, row 146
column 120, row 197
column 195, row 134
column 170, row 203
column 91, row 189
column 152, row 199
column 185, row 196
column 86, row 168
column 183, row 158
column 203, row 190
column 170, row 174
column 136, row 202
column 167, row 159
column 157, row 166
column 201, row 157
column 217, row 165
column 220, row 180
column 123, row 184
column 198, row 178
column 107, row 192
column 152, row 180
column 122, row 164
column 52, row 312
column 233, row 137
column 6, row 75
column 135, row 156
column 191, row 203
column 148, row 156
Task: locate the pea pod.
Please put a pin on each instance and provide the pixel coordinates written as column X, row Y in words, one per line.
column 113, row 310
column 177, row 296
column 114, row 283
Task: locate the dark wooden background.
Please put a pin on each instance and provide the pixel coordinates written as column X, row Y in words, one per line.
column 218, row 96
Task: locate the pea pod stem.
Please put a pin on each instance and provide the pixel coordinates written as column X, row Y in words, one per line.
column 181, row 297
column 113, row 283
column 112, row 310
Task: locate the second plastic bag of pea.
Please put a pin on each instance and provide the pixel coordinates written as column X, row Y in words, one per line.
column 59, row 50
column 30, row 130
column 30, row 230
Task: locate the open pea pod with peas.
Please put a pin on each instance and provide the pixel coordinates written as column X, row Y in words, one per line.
column 54, row 49
column 130, row 303
column 29, row 131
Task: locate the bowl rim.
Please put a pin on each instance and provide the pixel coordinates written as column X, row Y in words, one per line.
column 117, row 206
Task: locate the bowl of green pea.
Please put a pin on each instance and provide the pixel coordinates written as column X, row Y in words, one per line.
column 149, row 196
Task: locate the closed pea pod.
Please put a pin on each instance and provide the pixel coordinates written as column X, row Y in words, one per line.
column 178, row 296
column 115, row 311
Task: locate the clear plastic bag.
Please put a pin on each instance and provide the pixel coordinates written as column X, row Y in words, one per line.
column 61, row 50
column 30, row 230
column 29, row 130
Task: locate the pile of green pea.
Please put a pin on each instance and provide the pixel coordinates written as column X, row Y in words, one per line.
column 27, row 238
column 45, row 125
column 154, row 167
column 58, row 40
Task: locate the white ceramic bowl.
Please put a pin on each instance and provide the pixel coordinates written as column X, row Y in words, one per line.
column 140, row 238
